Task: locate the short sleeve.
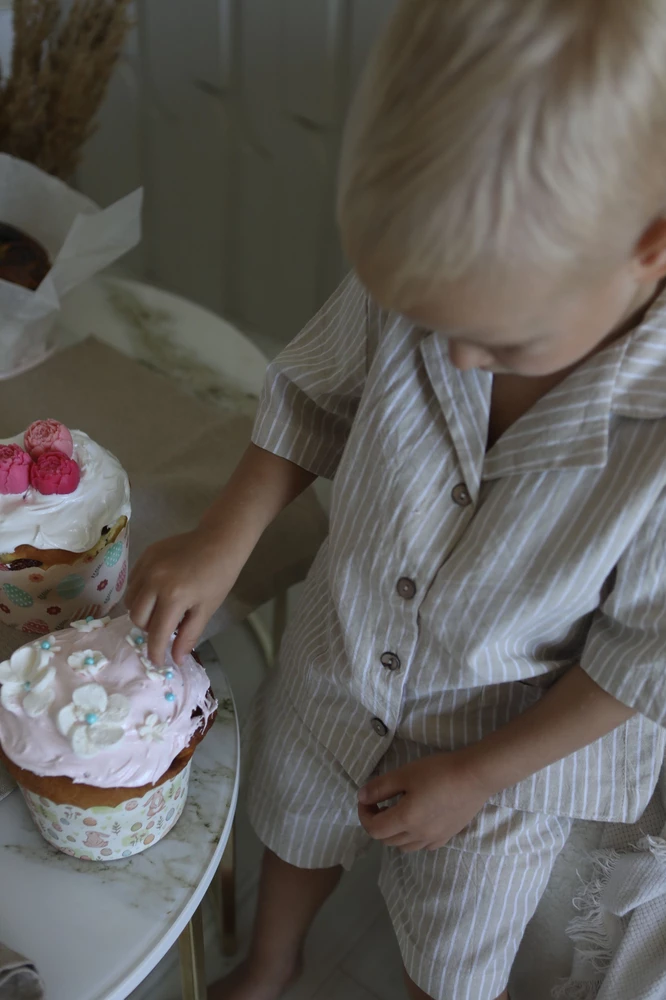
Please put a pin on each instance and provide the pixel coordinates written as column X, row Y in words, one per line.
column 625, row 651
column 313, row 387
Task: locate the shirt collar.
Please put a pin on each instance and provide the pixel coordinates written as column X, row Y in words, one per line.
column 568, row 428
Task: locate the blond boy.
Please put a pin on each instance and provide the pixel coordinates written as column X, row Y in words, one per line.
column 480, row 653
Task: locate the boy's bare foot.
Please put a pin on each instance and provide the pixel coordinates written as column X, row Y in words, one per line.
column 248, row 983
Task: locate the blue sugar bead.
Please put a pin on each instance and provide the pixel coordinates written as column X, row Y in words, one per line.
column 169, row 675
column 89, row 661
column 91, row 718
column 170, row 696
column 46, row 644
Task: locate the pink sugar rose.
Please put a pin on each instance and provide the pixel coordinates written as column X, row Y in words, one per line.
column 14, row 469
column 53, row 473
column 48, row 435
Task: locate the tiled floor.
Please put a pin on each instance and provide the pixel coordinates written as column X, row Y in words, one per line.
column 351, row 953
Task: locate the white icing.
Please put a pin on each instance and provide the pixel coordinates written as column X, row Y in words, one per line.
column 27, row 681
column 94, row 720
column 141, row 723
column 72, row 522
column 87, row 661
column 90, row 624
column 153, row 730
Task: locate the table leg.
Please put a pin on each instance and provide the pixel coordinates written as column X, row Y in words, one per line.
column 192, row 959
column 227, row 876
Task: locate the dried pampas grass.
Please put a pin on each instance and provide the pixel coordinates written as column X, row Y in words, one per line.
column 60, row 70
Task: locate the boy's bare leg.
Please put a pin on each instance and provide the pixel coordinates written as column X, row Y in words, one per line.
column 289, row 900
column 416, row 994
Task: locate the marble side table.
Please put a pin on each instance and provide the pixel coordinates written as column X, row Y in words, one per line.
column 94, row 930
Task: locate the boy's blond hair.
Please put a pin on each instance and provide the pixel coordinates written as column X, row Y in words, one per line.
column 524, row 132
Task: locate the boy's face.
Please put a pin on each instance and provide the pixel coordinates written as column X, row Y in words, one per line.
column 529, row 326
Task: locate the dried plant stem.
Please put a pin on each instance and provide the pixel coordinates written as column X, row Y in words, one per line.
column 60, row 71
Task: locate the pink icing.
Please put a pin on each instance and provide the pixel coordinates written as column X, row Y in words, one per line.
column 48, row 435
column 14, row 469
column 37, row 744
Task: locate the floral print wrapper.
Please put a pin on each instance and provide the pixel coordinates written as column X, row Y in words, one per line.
column 39, row 599
column 110, row 833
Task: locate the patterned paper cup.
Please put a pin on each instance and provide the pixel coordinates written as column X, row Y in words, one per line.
column 39, row 597
column 106, row 824
column 107, row 833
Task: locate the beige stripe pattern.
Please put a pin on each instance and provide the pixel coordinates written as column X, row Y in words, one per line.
column 456, row 585
column 459, row 913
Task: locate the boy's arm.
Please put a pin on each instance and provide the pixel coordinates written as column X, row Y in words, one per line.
column 306, row 412
column 185, row 578
column 622, row 672
column 572, row 714
column 440, row 794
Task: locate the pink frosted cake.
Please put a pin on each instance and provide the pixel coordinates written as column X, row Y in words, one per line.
column 64, row 521
column 99, row 739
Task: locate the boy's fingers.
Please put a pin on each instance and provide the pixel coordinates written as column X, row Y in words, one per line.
column 413, row 846
column 383, row 823
column 381, row 789
column 163, row 623
column 189, row 633
column 401, row 840
column 141, row 608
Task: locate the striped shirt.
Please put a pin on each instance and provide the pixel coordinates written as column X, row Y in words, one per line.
column 457, row 584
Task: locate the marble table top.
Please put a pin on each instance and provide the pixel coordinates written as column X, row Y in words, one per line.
column 95, row 930
column 201, row 351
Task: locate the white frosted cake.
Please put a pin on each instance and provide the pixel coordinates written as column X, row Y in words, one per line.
column 100, row 739
column 64, row 518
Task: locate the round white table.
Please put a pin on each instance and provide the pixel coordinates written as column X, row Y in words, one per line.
column 95, row 931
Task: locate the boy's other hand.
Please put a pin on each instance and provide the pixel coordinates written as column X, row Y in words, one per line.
column 437, row 797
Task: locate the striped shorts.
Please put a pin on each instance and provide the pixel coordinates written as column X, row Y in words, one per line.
column 460, row 912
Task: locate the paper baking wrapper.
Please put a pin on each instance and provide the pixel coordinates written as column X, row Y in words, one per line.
column 107, row 833
column 80, row 240
column 41, row 599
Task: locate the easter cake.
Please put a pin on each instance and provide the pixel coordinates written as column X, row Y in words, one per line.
column 99, row 739
column 64, row 520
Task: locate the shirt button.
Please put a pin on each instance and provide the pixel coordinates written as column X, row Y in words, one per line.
column 406, row 588
column 460, row 495
column 390, row 661
column 379, row 727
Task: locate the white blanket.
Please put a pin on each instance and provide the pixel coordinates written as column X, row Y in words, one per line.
column 620, row 932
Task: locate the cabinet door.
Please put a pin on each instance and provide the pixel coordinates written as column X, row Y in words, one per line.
column 230, row 113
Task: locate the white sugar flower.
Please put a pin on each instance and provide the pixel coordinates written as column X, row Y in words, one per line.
column 89, row 624
column 93, row 721
column 136, row 637
column 88, row 661
column 27, row 680
column 156, row 673
column 152, row 729
column 47, row 648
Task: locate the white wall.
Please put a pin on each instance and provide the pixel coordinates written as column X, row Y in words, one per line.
column 230, row 113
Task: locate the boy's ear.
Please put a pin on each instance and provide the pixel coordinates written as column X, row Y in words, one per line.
column 650, row 252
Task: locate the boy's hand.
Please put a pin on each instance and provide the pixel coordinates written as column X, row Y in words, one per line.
column 439, row 796
column 178, row 584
